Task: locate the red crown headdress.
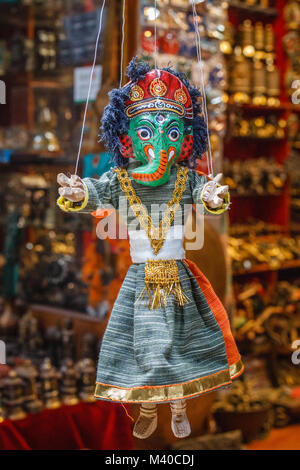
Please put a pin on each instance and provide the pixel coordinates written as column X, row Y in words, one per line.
column 159, row 90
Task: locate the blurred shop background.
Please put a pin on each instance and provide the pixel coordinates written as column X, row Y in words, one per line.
column 58, row 281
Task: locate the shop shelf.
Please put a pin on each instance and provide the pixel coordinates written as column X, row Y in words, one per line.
column 262, row 109
column 248, row 195
column 253, row 9
column 260, row 268
column 258, row 139
column 38, row 158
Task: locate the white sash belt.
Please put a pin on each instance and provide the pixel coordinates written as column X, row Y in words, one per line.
column 141, row 251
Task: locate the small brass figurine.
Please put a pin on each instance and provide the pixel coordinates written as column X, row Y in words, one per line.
column 68, row 340
column 13, row 396
column 87, row 377
column 68, row 387
column 29, row 374
column 49, row 387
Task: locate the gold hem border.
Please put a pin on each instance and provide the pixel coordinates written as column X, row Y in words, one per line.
column 164, row 393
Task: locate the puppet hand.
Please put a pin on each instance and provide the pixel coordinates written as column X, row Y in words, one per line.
column 213, row 194
column 72, row 188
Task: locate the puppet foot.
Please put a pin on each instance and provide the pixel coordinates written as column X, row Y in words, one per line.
column 180, row 424
column 146, row 422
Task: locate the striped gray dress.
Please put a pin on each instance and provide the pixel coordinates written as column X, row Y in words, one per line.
column 174, row 351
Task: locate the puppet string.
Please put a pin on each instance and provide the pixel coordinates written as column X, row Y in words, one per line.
column 90, row 87
column 128, row 415
column 199, row 57
column 122, row 44
column 155, row 35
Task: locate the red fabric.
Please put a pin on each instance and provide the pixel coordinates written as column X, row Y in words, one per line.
column 99, row 425
column 219, row 312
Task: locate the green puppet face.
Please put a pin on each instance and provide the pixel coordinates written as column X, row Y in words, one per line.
column 157, row 142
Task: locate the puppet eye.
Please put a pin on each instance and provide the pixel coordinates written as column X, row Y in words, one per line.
column 145, row 133
column 173, row 134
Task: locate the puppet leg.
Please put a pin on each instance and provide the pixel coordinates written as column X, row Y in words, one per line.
column 180, row 424
column 146, row 422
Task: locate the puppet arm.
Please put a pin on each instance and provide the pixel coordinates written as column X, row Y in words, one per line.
column 83, row 195
column 214, row 197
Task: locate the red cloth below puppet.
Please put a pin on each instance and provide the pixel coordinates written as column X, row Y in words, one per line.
column 97, row 426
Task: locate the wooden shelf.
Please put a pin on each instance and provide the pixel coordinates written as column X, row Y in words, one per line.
column 38, row 158
column 255, row 9
column 292, row 107
column 6, row 19
column 82, row 323
column 258, row 139
column 32, row 157
column 263, row 109
column 61, row 312
column 260, row 268
column 236, row 195
column 60, row 78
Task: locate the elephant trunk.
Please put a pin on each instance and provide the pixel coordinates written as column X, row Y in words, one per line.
column 153, row 171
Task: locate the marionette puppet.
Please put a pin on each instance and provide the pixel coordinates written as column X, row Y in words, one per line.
column 168, row 337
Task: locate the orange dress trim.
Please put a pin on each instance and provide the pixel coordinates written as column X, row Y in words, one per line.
column 219, row 312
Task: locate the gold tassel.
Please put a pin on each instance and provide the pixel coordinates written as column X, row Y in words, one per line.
column 162, row 279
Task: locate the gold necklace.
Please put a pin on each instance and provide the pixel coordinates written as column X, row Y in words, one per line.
column 156, row 235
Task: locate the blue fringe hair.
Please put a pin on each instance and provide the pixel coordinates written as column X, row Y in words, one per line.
column 115, row 121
